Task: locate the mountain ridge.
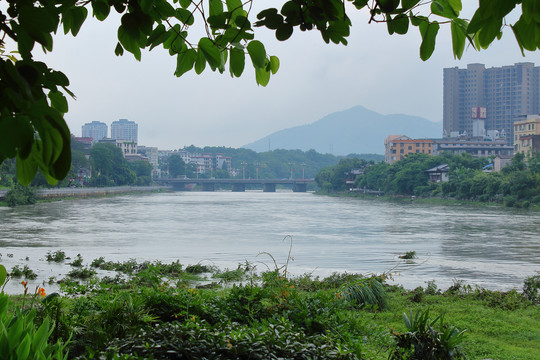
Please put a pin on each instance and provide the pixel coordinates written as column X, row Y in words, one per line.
column 355, row 130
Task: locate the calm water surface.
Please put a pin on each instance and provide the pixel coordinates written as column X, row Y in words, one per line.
column 490, row 247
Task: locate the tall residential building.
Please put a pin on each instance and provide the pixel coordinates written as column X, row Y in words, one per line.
column 124, row 129
column 96, row 130
column 506, row 93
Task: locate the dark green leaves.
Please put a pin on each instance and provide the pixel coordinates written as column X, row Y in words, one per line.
column 185, row 62
column 237, row 61
column 458, row 29
column 257, row 53
column 101, row 9
column 211, row 52
column 429, row 34
column 398, row 25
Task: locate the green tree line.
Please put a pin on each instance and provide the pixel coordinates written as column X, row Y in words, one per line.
column 518, row 184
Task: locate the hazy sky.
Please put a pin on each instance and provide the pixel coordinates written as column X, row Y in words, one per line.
column 381, row 72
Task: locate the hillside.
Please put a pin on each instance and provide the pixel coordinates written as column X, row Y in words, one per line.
column 356, row 130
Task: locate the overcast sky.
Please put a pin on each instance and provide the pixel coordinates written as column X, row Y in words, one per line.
column 381, row 72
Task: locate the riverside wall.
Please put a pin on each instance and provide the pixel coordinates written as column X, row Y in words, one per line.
column 90, row 191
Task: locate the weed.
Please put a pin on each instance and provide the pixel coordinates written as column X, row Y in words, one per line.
column 409, row 255
column 77, row 262
column 57, row 256
column 82, row 273
column 25, row 272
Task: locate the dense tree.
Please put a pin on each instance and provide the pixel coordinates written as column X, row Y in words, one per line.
column 109, row 166
column 32, row 96
column 143, row 172
column 176, row 166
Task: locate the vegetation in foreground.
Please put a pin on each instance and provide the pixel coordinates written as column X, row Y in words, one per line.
column 166, row 311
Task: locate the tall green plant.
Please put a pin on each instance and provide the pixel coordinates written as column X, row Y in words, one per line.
column 19, row 339
column 423, row 341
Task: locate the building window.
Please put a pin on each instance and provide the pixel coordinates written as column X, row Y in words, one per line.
column 410, row 147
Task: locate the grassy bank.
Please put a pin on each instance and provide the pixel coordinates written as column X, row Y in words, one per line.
column 155, row 310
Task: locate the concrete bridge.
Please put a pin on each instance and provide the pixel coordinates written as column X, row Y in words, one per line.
column 238, row 185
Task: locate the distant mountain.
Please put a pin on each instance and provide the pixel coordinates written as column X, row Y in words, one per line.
column 357, row 130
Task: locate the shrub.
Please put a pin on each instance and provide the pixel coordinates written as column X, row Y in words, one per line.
column 423, row 341
column 25, row 272
column 531, row 287
column 20, row 195
column 366, row 292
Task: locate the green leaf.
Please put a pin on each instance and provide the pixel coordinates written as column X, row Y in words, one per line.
column 262, row 76
column 388, row 5
column 185, row 16
column 210, row 51
column 489, row 32
column 233, row 5
column 284, row 31
column 458, row 39
column 26, row 170
column 527, row 35
column 23, row 349
column 274, row 64
column 58, row 101
column 165, row 9
column 185, row 3
column 79, row 15
column 101, row 9
column 443, row 8
column 216, row 7
column 119, row 50
column 409, row 4
column 40, row 337
column 237, row 61
column 158, row 36
column 257, row 53
column 146, row 5
column 456, row 5
column 399, row 24
column 3, row 275
column 185, row 62
column 129, row 42
column 200, row 63
column 429, row 36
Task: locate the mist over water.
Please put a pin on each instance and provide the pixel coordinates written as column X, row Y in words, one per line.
column 494, row 248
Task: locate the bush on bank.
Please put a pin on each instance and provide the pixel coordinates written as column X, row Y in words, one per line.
column 517, row 185
column 159, row 312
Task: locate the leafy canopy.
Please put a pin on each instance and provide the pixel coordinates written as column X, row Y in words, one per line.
column 33, row 96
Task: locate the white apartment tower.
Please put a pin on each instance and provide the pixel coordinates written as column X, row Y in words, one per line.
column 124, row 129
column 95, row 130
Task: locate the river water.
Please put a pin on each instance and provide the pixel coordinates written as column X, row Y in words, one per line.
column 494, row 247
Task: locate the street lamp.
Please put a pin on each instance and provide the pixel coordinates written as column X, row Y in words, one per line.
column 291, row 164
column 243, row 163
column 303, row 175
column 257, row 170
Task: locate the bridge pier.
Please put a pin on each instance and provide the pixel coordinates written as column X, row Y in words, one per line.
column 179, row 186
column 269, row 187
column 238, row 187
column 208, row 187
column 299, row 187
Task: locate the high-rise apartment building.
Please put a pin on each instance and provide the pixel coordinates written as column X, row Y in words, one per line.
column 95, row 130
column 506, row 93
column 124, row 129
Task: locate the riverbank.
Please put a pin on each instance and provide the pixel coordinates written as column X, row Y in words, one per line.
column 400, row 199
column 85, row 192
column 158, row 310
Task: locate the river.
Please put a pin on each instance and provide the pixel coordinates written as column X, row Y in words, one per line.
column 491, row 247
